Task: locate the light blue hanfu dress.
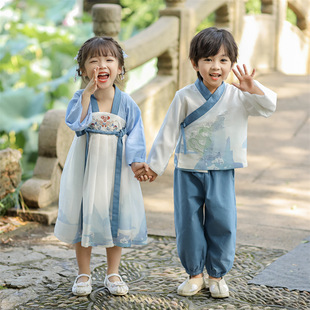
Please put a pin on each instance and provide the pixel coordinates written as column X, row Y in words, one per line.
column 100, row 201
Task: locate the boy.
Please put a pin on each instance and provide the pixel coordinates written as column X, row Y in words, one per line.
column 207, row 121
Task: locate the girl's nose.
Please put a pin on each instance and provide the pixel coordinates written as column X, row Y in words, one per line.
column 102, row 64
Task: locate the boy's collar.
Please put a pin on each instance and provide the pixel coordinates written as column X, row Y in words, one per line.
column 203, row 89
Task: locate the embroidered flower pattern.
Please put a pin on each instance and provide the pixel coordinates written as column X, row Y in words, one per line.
column 105, row 123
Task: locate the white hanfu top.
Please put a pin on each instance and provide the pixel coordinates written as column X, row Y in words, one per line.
column 100, row 201
column 215, row 141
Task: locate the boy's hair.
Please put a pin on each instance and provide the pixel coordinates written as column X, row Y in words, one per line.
column 209, row 41
column 99, row 46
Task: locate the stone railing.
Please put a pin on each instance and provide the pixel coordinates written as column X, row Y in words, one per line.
column 167, row 40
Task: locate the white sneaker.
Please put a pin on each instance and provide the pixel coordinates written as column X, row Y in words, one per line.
column 116, row 288
column 218, row 288
column 191, row 286
column 82, row 288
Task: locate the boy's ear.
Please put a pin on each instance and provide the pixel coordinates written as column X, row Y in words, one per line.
column 194, row 65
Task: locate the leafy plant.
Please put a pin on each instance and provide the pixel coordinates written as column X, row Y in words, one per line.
column 37, row 47
column 13, row 200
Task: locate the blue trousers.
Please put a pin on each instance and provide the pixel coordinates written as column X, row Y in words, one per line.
column 205, row 220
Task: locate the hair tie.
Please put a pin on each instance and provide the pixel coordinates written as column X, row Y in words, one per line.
column 124, row 54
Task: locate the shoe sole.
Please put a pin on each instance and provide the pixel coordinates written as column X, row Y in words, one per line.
column 81, row 294
column 220, row 296
column 190, row 294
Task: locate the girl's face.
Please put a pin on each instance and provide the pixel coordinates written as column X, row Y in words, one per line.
column 104, row 68
column 214, row 69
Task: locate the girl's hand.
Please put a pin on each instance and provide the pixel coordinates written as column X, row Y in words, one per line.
column 92, row 85
column 246, row 81
column 140, row 170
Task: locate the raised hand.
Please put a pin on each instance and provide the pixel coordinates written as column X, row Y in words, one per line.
column 92, row 85
column 246, row 81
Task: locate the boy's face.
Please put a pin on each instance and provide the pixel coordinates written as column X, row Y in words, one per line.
column 214, row 69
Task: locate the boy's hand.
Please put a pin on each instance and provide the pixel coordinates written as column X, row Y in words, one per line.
column 246, row 81
column 140, row 170
column 152, row 175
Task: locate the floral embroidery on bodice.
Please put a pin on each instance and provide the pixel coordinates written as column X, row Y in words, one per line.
column 106, row 122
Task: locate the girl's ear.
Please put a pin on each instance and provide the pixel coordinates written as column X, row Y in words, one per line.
column 194, row 65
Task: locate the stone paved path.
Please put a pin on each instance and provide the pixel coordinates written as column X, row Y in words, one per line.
column 39, row 271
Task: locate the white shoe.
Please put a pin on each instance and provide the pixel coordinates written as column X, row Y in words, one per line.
column 116, row 288
column 82, row 288
column 218, row 288
column 191, row 286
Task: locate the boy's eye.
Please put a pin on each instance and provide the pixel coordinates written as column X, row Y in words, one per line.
column 208, row 59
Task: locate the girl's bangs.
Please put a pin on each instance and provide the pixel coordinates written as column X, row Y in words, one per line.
column 103, row 48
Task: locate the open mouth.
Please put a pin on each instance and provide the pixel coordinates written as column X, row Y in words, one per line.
column 103, row 77
column 215, row 76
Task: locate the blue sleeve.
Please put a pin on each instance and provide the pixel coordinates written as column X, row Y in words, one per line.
column 74, row 112
column 135, row 143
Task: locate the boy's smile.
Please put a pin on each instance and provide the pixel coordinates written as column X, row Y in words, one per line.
column 214, row 69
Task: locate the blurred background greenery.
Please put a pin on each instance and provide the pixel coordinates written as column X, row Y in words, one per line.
column 38, row 42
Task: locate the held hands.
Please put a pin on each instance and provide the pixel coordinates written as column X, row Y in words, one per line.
column 246, row 81
column 143, row 172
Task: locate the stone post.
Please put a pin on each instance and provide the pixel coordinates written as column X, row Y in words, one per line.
column 107, row 19
column 88, row 4
column 280, row 17
column 175, row 61
column 268, row 6
column 230, row 17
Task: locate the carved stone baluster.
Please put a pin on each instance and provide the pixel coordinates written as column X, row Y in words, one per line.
column 88, row 4
column 175, row 60
column 267, row 6
column 106, row 19
column 175, row 3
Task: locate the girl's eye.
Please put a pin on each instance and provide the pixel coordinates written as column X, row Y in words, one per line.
column 208, row 59
column 93, row 61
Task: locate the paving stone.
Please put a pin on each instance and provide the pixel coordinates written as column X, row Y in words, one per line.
column 153, row 273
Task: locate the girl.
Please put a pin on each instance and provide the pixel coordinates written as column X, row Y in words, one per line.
column 207, row 121
column 100, row 201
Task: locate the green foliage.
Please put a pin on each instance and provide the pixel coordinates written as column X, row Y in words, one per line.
column 206, row 23
column 253, row 7
column 12, row 200
column 291, row 16
column 138, row 14
column 37, row 67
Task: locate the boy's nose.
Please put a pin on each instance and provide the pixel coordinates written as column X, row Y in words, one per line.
column 215, row 65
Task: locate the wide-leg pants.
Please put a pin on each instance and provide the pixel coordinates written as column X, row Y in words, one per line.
column 205, row 220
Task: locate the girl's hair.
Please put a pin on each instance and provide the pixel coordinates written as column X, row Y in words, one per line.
column 99, row 46
column 209, row 41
